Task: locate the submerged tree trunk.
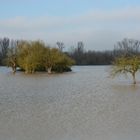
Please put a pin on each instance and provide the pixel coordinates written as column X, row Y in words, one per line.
column 134, row 78
column 49, row 70
column 14, row 68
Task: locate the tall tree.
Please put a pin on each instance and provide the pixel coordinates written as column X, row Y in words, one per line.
column 78, row 53
column 4, row 44
column 51, row 58
column 12, row 58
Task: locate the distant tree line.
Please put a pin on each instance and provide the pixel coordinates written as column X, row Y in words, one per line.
column 91, row 57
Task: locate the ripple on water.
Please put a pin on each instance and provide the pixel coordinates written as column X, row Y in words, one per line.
column 84, row 104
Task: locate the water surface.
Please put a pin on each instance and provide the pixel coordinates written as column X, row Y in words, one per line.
column 86, row 104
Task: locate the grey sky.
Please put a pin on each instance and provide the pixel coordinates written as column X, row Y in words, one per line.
column 99, row 29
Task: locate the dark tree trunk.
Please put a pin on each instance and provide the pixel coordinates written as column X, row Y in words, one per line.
column 134, row 78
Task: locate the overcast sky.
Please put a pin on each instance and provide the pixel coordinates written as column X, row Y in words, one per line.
column 98, row 23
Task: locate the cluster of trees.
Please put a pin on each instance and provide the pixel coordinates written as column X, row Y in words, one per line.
column 32, row 56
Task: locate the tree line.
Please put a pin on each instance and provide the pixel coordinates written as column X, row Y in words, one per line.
column 31, row 56
column 78, row 53
column 107, row 57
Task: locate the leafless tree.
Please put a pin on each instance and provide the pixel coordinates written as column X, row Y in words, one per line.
column 60, row 45
column 127, row 47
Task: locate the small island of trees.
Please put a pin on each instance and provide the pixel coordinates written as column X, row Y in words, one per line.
column 31, row 56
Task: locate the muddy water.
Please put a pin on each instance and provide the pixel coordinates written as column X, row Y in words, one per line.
column 85, row 104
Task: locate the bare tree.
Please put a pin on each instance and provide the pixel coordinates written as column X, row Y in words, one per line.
column 60, row 45
column 127, row 47
column 4, row 44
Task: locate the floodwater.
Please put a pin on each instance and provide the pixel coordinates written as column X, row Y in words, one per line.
column 86, row 104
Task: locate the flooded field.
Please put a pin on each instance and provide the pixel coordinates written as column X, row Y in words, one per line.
column 86, row 104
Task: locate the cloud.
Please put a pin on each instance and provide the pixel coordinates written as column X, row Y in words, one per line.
column 99, row 29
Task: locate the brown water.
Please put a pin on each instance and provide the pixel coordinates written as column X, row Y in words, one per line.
column 85, row 104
